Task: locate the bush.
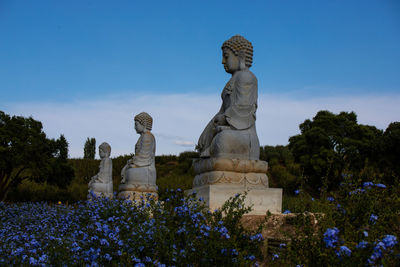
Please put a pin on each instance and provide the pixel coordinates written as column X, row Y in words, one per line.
column 283, row 172
column 176, row 231
column 359, row 226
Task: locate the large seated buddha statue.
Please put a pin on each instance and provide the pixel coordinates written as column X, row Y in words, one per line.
column 139, row 173
column 229, row 148
column 231, row 133
column 101, row 184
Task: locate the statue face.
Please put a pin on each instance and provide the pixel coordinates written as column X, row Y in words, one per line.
column 103, row 153
column 230, row 61
column 139, row 127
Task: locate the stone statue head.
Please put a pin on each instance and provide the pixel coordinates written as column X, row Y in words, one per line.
column 145, row 119
column 241, row 48
column 104, row 150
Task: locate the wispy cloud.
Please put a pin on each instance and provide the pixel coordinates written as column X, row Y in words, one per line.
column 180, row 119
column 184, row 143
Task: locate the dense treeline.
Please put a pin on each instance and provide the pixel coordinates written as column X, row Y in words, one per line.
column 27, row 154
column 329, row 147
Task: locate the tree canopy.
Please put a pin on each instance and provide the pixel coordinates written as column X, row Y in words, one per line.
column 26, row 153
column 89, row 150
column 330, row 144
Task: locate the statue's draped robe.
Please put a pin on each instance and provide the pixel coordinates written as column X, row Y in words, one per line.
column 141, row 168
column 105, row 171
column 239, row 105
column 145, row 150
column 102, row 181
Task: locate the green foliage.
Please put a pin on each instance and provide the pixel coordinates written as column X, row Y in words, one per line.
column 175, row 172
column 89, row 150
column 283, row 172
column 362, row 216
column 390, row 152
column 330, row 144
column 37, row 192
column 26, row 153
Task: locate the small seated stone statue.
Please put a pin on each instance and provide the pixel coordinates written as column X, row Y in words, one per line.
column 231, row 133
column 139, row 173
column 101, row 184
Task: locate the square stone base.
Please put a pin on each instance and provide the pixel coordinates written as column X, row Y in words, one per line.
column 262, row 199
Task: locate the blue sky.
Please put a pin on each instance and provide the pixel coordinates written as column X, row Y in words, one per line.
column 79, row 61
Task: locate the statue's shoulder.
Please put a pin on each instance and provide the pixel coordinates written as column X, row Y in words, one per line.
column 148, row 136
column 245, row 76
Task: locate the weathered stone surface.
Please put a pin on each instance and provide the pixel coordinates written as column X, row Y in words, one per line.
column 262, row 199
column 230, row 171
column 229, row 147
column 231, row 165
column 231, row 133
column 101, row 184
column 249, row 179
column 139, row 173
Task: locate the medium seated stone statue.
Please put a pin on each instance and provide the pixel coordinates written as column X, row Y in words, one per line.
column 231, row 133
column 101, row 184
column 139, row 173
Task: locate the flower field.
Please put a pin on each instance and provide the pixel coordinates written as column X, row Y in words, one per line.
column 114, row 232
column 357, row 225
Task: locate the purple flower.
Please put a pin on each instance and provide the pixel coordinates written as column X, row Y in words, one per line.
column 380, row 185
column 362, row 244
column 368, row 185
column 297, row 191
column 330, row 199
column 32, row 261
column 286, row 212
column 257, row 237
column 343, row 251
column 107, row 257
column 251, row 257
column 389, row 241
column 104, row 242
column 373, row 218
column 357, row 191
column 331, row 237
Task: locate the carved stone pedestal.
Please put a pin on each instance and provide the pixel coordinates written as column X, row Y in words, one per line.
column 218, row 179
column 134, row 192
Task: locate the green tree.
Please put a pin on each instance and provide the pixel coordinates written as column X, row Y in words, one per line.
column 63, row 147
column 330, row 144
column 89, row 151
column 26, row 153
column 390, row 153
column 282, row 170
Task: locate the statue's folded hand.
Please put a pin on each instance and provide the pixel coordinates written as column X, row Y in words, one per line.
column 220, row 119
column 221, row 128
